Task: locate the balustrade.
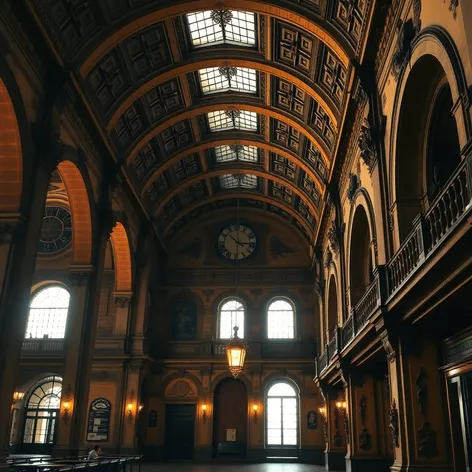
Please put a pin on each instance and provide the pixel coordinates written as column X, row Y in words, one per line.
column 43, row 346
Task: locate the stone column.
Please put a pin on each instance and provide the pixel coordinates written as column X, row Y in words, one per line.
column 131, row 403
column 19, row 236
column 417, row 407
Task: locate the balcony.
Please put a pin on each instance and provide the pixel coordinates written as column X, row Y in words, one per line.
column 445, row 214
column 43, row 347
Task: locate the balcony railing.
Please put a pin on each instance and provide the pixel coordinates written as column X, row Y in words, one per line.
column 446, row 211
column 43, row 347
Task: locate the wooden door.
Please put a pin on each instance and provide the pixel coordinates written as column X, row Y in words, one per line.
column 179, row 432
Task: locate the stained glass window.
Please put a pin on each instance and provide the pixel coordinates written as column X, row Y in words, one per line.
column 48, row 313
column 231, row 315
column 280, row 320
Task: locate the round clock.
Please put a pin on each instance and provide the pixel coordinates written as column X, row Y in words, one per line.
column 56, row 230
column 237, row 242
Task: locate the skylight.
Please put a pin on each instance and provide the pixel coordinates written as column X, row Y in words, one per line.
column 238, row 181
column 223, row 79
column 222, row 26
column 232, row 119
column 236, row 152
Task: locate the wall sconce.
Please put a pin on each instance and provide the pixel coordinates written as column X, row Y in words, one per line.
column 255, row 408
column 204, row 412
column 66, row 402
column 322, row 411
column 18, row 396
column 341, row 406
column 130, row 407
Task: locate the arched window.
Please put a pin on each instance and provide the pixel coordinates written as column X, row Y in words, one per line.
column 42, row 412
column 48, row 313
column 280, row 320
column 282, row 415
column 231, row 315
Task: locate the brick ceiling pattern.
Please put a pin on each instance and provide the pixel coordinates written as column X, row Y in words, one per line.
column 138, row 71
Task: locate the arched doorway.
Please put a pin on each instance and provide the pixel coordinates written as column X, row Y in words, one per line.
column 282, row 420
column 360, row 264
column 332, row 309
column 230, row 412
column 427, row 143
column 41, row 414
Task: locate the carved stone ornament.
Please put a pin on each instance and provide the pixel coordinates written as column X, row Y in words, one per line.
column 453, row 4
column 365, row 441
column 422, row 391
column 353, row 186
column 366, row 146
column 393, row 423
column 328, row 259
column 122, row 301
column 427, row 444
column 318, row 288
column 417, row 15
column 334, row 235
column 346, row 427
column 325, row 430
column 388, row 347
column 406, row 32
column 80, row 277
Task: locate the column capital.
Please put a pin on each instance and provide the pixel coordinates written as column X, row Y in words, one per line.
column 134, row 366
column 80, row 274
column 122, row 299
column 10, row 223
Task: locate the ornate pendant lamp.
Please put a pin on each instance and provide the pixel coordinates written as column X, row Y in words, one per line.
column 236, row 353
column 236, row 349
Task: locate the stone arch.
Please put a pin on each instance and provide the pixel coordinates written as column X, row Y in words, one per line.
column 181, row 389
column 80, row 210
column 281, row 376
column 433, row 56
column 122, row 258
column 11, row 155
column 186, row 376
column 227, row 375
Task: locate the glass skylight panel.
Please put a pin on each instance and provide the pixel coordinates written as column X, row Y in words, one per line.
column 236, row 152
column 228, row 181
column 222, row 26
column 223, row 79
column 232, row 119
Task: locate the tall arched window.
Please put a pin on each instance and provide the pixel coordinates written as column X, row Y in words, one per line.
column 231, row 315
column 282, row 415
column 48, row 313
column 280, row 320
column 42, row 412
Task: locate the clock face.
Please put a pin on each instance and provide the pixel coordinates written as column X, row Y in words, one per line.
column 237, row 242
column 56, row 230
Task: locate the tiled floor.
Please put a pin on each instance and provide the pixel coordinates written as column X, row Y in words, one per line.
column 175, row 467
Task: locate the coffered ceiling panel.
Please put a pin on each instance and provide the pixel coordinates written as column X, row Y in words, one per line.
column 204, row 103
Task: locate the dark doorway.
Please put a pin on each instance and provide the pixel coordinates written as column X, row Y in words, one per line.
column 230, row 413
column 180, row 431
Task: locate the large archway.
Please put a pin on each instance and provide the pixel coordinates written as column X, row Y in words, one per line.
column 360, row 255
column 427, row 143
column 11, row 163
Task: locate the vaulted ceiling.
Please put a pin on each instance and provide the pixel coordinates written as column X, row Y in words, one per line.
column 208, row 102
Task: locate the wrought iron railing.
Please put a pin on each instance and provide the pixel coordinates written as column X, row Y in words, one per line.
column 43, row 346
column 366, row 305
column 333, row 346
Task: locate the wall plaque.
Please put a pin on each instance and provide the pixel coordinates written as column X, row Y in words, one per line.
column 98, row 425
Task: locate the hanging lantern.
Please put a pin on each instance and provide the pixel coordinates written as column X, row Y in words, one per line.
column 236, row 353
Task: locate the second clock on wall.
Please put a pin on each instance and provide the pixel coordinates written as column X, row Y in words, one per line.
column 237, row 242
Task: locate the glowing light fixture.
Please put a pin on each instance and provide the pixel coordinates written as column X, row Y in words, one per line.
column 236, row 353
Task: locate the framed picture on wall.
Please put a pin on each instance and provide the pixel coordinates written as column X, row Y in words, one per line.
column 312, row 420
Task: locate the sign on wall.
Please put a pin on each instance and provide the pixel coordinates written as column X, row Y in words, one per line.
column 98, row 426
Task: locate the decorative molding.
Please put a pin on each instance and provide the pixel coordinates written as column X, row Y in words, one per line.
column 122, row 301
column 417, row 15
column 453, row 5
column 388, row 346
column 353, row 186
column 406, row 32
column 335, row 233
column 319, row 288
column 367, row 146
column 393, row 423
column 346, row 427
column 422, row 391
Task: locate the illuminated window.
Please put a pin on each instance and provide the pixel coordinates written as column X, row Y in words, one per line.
column 42, row 412
column 280, row 320
column 231, row 315
column 222, row 26
column 238, row 181
column 223, row 79
column 236, row 152
column 282, row 415
column 48, row 313
column 232, row 119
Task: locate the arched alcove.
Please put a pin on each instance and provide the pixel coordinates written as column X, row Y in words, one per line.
column 230, row 412
column 360, row 263
column 427, row 143
column 332, row 308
